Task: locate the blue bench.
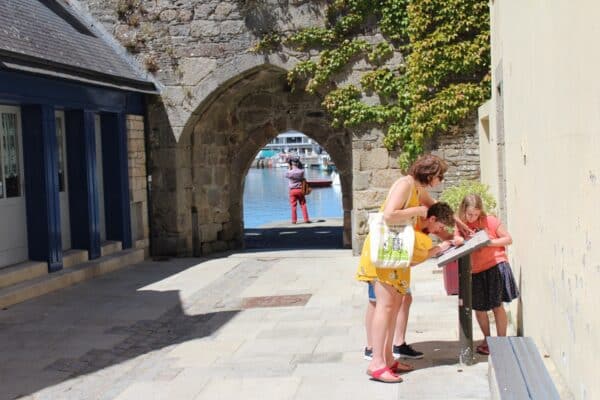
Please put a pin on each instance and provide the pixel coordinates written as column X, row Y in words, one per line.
column 517, row 371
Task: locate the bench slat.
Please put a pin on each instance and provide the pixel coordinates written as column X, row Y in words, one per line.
column 538, row 380
column 509, row 379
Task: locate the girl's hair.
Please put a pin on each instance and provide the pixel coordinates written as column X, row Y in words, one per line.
column 428, row 167
column 471, row 200
column 296, row 162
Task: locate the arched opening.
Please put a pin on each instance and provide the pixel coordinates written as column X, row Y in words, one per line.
column 273, row 215
column 204, row 171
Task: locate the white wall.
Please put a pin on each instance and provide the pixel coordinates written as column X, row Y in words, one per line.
column 550, row 61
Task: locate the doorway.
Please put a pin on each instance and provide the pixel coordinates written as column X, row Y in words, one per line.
column 13, row 214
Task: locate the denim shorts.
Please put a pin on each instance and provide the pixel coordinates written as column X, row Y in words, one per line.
column 371, row 292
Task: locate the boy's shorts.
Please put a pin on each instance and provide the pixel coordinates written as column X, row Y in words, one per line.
column 372, row 292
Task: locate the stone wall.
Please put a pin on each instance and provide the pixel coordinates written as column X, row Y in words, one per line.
column 221, row 102
column 137, row 181
column 193, row 47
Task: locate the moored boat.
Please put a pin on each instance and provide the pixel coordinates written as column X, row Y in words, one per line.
column 315, row 182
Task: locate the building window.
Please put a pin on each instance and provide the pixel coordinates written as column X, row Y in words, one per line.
column 10, row 175
column 296, row 139
column 60, row 144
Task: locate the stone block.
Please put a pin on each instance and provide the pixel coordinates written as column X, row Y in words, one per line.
column 194, row 69
column 369, row 199
column 179, row 30
column 168, row 15
column 138, row 196
column 135, row 122
column 204, row 9
column 377, row 158
column 173, row 96
column 185, row 16
column 200, row 29
column 232, row 28
column 221, row 216
column 361, row 180
column 209, row 232
column 384, row 178
column 135, row 146
column 356, row 154
column 142, row 243
column 214, row 196
column 223, row 10
column 221, row 177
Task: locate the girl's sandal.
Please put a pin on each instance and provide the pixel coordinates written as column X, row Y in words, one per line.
column 399, row 367
column 377, row 375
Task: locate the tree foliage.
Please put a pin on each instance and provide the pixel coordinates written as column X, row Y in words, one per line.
column 444, row 76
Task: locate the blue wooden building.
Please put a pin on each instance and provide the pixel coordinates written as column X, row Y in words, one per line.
column 66, row 94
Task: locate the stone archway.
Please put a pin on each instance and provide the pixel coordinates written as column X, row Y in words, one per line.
column 198, row 188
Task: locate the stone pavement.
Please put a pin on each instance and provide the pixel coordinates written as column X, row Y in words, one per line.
column 258, row 324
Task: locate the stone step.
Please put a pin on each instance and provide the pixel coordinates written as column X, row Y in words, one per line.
column 66, row 277
column 74, row 257
column 14, row 274
column 110, row 247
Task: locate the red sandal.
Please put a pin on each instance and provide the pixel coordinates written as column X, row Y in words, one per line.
column 483, row 349
column 377, row 375
column 398, row 367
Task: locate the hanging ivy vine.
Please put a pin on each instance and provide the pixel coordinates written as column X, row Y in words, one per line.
column 444, row 76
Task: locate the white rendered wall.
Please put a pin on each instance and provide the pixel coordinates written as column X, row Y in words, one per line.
column 550, row 64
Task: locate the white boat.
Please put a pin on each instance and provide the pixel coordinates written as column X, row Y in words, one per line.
column 294, row 144
column 325, row 163
column 335, row 177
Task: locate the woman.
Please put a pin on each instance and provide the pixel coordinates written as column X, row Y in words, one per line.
column 407, row 200
column 296, row 174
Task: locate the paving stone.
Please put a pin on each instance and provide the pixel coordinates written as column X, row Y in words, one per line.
column 257, row 388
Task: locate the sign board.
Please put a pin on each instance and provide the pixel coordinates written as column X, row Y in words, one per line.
column 478, row 240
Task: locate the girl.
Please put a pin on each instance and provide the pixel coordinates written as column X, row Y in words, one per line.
column 493, row 282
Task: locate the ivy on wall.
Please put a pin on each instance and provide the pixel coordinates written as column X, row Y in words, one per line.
column 444, row 76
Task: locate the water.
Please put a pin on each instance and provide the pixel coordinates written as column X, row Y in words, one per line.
column 266, row 198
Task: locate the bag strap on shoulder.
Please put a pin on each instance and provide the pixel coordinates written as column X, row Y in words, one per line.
column 390, row 192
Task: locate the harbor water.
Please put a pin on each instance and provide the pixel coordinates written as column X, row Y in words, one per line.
column 266, row 198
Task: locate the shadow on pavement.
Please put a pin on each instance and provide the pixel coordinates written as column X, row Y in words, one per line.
column 321, row 234
column 95, row 325
column 440, row 353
